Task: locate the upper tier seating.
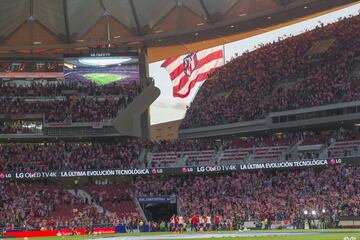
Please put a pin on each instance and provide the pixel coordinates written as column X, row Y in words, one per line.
column 69, row 156
column 281, row 76
column 67, row 102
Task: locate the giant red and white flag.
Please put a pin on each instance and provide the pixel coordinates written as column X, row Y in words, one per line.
column 187, row 70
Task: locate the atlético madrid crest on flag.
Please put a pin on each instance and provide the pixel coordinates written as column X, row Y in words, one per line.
column 187, row 70
column 190, row 63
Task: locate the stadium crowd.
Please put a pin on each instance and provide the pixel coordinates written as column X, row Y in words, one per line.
column 125, row 154
column 246, row 88
column 258, row 195
column 60, row 88
column 82, row 109
column 217, row 199
column 102, row 155
column 40, row 206
column 67, row 102
column 282, row 76
column 68, row 156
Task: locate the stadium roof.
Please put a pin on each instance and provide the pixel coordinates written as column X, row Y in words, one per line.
column 172, row 26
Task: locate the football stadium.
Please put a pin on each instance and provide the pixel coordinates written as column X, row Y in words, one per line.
column 180, row 119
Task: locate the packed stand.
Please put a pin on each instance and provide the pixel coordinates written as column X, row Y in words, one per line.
column 67, row 102
column 71, row 109
column 103, row 155
column 16, row 157
column 31, row 156
column 60, row 88
column 259, row 195
column 39, row 206
column 281, row 76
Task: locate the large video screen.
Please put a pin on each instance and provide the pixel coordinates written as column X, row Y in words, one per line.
column 101, row 70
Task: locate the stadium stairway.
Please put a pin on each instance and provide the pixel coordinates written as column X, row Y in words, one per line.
column 218, row 156
column 181, row 161
column 233, row 155
column 180, row 203
column 325, row 151
column 181, row 158
column 293, row 150
column 215, row 156
column 137, row 204
column 84, row 195
column 356, row 70
column 142, row 156
column 148, row 157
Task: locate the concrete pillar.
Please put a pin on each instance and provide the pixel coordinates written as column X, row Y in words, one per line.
column 144, row 81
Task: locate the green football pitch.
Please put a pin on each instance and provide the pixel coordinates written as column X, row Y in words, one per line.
column 103, row 78
column 327, row 234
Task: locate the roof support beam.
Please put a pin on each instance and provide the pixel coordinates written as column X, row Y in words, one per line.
column 66, row 19
column 102, row 5
column 208, row 16
column 31, row 2
column 138, row 28
column 106, row 14
column 281, row 3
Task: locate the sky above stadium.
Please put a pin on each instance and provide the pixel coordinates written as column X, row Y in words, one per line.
column 168, row 108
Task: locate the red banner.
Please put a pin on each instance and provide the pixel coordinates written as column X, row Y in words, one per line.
column 50, row 233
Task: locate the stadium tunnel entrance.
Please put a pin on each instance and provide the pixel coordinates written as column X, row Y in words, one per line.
column 159, row 208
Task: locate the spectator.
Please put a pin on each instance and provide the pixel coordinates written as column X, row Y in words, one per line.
column 281, row 76
column 261, row 195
